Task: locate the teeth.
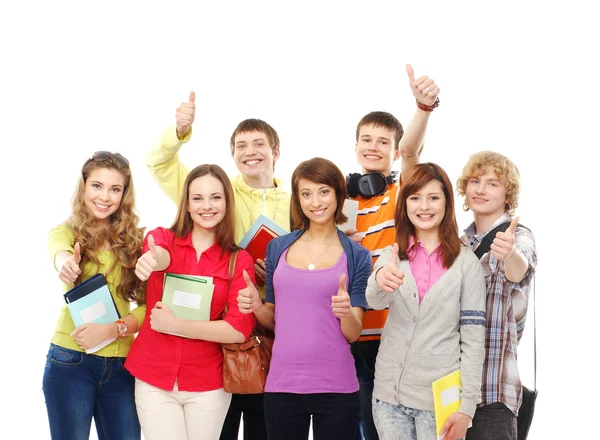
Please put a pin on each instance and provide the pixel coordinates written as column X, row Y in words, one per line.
column 371, row 157
column 252, row 162
column 207, row 215
column 102, row 206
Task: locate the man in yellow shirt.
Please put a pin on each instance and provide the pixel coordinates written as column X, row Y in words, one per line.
column 255, row 149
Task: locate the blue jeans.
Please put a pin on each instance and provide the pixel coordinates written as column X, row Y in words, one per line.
column 397, row 422
column 79, row 386
column 365, row 354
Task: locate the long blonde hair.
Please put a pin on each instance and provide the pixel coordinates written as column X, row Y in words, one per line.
column 123, row 235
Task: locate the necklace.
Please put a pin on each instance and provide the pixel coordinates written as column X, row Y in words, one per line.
column 311, row 266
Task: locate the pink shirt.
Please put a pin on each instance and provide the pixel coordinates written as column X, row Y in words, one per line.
column 426, row 269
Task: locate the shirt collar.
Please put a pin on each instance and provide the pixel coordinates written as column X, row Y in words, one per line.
column 471, row 230
column 414, row 245
column 213, row 252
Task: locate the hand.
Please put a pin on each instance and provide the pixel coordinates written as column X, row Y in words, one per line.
column 162, row 318
column 89, row 335
column 248, row 297
column 424, row 88
column 389, row 277
column 354, row 235
column 69, row 271
column 184, row 116
column 340, row 303
column 455, row 427
column 260, row 272
column 503, row 245
column 147, row 262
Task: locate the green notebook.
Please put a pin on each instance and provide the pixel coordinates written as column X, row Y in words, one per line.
column 189, row 296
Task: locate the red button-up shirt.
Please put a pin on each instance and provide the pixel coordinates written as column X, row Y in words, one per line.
column 158, row 358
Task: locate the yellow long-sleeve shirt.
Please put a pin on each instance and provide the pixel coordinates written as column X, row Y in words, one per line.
column 60, row 239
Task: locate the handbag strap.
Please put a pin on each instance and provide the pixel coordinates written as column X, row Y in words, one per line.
column 231, row 271
column 534, row 342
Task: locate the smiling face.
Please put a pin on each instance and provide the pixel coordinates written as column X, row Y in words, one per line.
column 426, row 208
column 317, row 201
column 206, row 202
column 103, row 192
column 375, row 149
column 253, row 154
column 486, row 194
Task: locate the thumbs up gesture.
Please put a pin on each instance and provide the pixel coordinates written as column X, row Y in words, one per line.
column 390, row 277
column 424, row 88
column 147, row 263
column 340, row 303
column 504, row 243
column 69, row 271
column 184, row 116
column 248, row 297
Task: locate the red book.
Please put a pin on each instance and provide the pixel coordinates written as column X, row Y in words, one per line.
column 260, row 234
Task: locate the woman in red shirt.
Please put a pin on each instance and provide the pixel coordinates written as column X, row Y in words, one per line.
column 179, row 387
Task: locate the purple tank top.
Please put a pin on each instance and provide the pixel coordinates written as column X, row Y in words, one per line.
column 310, row 354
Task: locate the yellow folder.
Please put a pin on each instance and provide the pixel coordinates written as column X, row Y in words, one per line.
column 446, row 398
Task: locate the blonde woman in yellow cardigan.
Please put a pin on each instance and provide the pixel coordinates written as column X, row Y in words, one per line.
column 100, row 236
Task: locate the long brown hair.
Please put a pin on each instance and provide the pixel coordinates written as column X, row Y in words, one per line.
column 122, row 234
column 225, row 231
column 420, row 176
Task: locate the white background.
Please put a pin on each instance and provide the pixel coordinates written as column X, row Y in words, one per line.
column 519, row 78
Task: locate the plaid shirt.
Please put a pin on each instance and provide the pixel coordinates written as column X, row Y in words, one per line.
column 505, row 318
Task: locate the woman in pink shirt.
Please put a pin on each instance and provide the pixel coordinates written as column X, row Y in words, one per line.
column 435, row 290
column 179, row 386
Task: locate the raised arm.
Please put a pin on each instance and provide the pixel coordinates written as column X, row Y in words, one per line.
column 163, row 159
column 426, row 92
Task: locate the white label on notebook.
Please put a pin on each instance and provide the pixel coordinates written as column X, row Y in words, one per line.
column 450, row 395
column 185, row 299
column 93, row 312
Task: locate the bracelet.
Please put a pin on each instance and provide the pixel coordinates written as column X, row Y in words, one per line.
column 428, row 108
column 122, row 328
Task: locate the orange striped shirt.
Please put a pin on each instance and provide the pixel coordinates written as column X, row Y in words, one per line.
column 375, row 223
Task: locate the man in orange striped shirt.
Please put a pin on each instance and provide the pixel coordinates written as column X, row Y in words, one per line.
column 380, row 141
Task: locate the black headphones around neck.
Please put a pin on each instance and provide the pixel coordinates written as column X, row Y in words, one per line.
column 370, row 184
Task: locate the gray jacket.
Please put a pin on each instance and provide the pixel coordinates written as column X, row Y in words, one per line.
column 422, row 343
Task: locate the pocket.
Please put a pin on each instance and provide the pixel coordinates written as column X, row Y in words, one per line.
column 65, row 357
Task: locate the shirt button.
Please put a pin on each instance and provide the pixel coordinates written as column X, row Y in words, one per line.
column 426, row 298
column 407, row 343
column 414, row 319
column 395, row 387
column 401, row 365
column 395, row 398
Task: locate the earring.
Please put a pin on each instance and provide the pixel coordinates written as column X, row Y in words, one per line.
column 465, row 207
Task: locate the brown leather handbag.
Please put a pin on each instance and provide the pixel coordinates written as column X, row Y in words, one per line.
column 246, row 365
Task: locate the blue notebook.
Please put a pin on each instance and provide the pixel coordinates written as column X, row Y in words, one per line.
column 91, row 301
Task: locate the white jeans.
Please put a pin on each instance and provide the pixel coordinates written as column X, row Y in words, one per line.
column 180, row 415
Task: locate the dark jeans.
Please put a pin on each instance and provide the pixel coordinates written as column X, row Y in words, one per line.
column 79, row 386
column 365, row 354
column 334, row 416
column 252, row 406
column 493, row 422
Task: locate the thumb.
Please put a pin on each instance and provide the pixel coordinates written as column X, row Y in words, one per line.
column 192, row 97
column 342, row 283
column 159, row 305
column 411, row 73
column 395, row 252
column 513, row 225
column 249, row 282
column 77, row 252
column 151, row 245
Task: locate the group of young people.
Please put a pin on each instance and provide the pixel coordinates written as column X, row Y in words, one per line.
column 364, row 320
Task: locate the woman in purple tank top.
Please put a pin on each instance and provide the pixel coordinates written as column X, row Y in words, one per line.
column 315, row 301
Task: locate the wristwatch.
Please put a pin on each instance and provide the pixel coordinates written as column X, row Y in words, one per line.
column 122, row 328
